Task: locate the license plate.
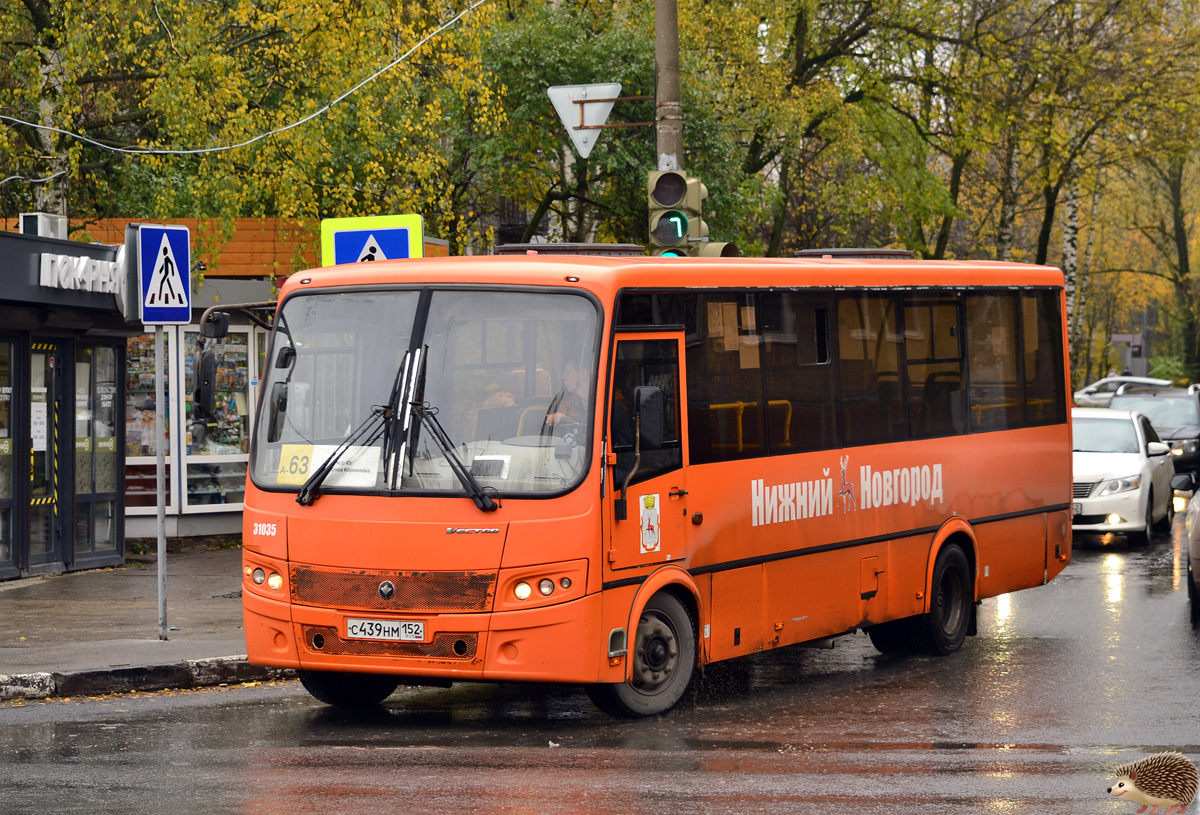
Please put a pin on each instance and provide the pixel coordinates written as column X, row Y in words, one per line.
column 1077, row 509
column 395, row 630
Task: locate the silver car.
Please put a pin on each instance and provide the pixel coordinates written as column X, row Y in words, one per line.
column 1098, row 393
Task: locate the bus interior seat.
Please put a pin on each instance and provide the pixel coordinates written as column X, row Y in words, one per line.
column 532, row 419
column 497, row 423
column 937, row 407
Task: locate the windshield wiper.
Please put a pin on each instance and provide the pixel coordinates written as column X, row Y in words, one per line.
column 381, row 423
column 428, row 417
column 370, row 430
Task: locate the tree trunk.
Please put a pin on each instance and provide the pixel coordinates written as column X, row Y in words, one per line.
column 1070, row 255
column 1081, row 276
column 1183, row 277
column 957, row 165
column 780, row 211
column 1008, row 199
column 1049, row 204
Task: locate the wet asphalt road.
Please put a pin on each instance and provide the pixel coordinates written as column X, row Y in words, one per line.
column 1062, row 684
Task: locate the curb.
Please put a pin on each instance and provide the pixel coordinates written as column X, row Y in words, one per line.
column 192, row 673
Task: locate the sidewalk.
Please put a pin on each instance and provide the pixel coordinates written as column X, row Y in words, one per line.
column 97, row 631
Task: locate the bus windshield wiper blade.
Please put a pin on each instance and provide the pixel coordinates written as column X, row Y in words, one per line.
column 428, row 417
column 371, row 429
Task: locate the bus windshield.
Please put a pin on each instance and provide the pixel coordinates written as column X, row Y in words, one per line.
column 509, row 376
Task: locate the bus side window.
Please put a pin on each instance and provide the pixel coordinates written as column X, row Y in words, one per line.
column 1045, row 391
column 801, row 407
column 645, row 362
column 995, row 394
column 725, row 380
column 870, row 352
column 933, row 357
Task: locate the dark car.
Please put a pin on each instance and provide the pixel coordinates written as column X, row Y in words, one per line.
column 1175, row 414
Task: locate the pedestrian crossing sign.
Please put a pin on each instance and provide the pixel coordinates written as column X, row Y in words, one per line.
column 379, row 237
column 164, row 274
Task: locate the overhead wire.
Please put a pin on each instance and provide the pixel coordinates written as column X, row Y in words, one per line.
column 188, row 151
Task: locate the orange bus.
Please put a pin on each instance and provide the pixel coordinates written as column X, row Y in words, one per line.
column 613, row 471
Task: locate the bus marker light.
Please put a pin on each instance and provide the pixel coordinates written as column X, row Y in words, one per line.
column 778, row 626
column 546, row 586
column 565, row 582
column 614, row 661
column 522, row 590
column 247, row 570
column 275, row 581
column 920, row 595
column 259, row 576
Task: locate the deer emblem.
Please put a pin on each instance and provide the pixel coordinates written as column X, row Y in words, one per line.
column 846, row 493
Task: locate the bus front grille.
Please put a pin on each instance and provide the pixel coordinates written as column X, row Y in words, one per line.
column 327, row 640
column 409, row 591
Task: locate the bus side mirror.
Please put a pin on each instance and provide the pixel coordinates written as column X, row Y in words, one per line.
column 648, row 415
column 278, row 408
column 216, row 326
column 205, row 390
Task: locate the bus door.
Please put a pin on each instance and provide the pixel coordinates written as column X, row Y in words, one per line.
column 654, row 527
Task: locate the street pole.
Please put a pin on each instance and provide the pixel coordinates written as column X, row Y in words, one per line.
column 160, row 445
column 668, row 110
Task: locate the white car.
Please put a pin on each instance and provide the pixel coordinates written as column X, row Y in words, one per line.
column 1122, row 474
column 1098, row 393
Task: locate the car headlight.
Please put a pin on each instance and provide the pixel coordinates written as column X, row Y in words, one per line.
column 1181, row 447
column 1122, row 484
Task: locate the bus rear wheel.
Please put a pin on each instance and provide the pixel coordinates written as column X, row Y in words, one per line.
column 664, row 662
column 348, row 690
column 895, row 636
column 944, row 628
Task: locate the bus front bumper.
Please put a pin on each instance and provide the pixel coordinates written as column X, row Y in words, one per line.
column 556, row 643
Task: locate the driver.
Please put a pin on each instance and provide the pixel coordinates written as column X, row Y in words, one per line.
column 569, row 404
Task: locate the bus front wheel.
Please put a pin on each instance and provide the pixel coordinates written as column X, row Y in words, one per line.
column 664, row 662
column 348, row 690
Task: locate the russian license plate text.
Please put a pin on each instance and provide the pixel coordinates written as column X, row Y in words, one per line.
column 400, row 630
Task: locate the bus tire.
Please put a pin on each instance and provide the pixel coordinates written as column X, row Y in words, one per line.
column 895, row 636
column 951, row 595
column 664, row 662
column 348, row 690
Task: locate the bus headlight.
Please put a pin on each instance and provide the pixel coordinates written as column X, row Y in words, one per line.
column 259, row 577
column 546, row 586
column 275, row 581
column 522, row 590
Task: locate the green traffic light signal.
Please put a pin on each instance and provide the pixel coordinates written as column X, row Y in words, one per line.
column 669, row 228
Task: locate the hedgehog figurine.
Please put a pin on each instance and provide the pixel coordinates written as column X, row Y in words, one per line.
column 1162, row 780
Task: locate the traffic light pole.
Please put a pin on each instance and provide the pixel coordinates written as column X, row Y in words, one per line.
column 668, row 110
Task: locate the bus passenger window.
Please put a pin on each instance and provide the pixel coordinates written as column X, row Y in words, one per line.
column 870, row 348
column 1045, row 393
column 801, row 409
column 725, row 380
column 933, row 357
column 995, row 395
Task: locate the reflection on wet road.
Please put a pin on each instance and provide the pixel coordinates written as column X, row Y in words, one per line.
column 1062, row 684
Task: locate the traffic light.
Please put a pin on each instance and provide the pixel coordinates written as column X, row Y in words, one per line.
column 677, row 224
column 667, row 191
